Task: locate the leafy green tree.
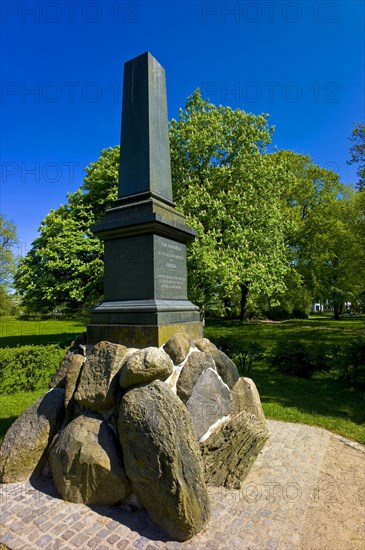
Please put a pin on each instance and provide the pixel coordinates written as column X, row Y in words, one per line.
column 325, row 239
column 230, row 194
column 8, row 302
column 64, row 267
column 357, row 151
column 340, row 263
column 267, row 223
column 309, row 195
column 8, row 250
column 331, row 259
column 8, row 260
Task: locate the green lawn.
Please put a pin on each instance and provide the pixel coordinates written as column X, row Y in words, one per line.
column 49, row 331
column 321, row 401
column 15, row 333
column 11, row 406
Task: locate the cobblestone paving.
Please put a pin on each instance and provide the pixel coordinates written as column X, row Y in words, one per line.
column 266, row 513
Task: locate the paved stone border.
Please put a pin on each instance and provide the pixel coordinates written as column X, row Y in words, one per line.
column 266, row 513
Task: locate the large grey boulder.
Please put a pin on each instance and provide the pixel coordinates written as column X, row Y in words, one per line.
column 163, row 460
column 86, row 463
column 178, row 347
column 66, row 377
column 72, row 377
column 144, row 366
column 72, row 362
column 232, row 448
column 196, row 363
column 26, row 442
column 210, row 401
column 225, row 366
column 245, row 397
column 98, row 385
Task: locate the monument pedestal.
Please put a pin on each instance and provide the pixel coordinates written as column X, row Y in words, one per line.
column 145, row 278
column 139, row 336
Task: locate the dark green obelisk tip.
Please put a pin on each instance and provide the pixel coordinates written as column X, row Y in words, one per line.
column 145, row 152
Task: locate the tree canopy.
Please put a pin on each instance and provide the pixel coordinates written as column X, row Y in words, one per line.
column 8, row 260
column 357, row 151
column 273, row 228
column 228, row 192
column 64, row 268
column 8, row 250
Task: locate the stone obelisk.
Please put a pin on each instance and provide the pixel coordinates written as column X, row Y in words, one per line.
column 145, row 279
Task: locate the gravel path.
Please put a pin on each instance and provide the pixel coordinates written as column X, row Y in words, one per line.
column 305, row 492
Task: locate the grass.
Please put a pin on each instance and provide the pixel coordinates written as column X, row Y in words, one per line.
column 15, row 333
column 49, row 331
column 12, row 406
column 321, row 401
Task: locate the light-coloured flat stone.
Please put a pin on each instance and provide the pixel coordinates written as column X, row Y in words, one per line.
column 210, row 400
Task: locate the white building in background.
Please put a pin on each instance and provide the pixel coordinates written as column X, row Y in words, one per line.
column 320, row 307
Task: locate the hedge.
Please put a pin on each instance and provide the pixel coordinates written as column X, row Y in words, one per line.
column 28, row 368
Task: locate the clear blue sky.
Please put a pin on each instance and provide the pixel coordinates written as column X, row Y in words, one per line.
column 62, row 65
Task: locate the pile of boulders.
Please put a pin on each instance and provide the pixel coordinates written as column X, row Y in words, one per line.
column 156, row 424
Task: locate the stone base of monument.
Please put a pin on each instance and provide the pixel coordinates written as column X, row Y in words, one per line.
column 157, row 424
column 137, row 335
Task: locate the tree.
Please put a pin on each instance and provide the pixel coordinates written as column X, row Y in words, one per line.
column 8, row 302
column 340, row 258
column 8, row 248
column 229, row 193
column 309, row 196
column 8, row 259
column 358, row 153
column 325, row 233
column 267, row 223
column 64, row 267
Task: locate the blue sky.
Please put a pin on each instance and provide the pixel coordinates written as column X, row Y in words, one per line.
column 62, row 65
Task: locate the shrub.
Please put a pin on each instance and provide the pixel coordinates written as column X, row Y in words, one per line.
column 299, row 314
column 28, row 368
column 299, row 359
column 278, row 313
column 241, row 352
column 350, row 361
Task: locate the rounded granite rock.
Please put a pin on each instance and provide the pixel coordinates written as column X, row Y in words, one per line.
column 144, row 366
column 178, row 347
column 26, row 442
column 97, row 389
column 72, row 362
column 86, row 463
column 225, row 366
column 163, row 460
column 197, row 362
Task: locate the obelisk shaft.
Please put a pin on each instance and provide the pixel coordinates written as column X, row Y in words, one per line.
column 144, row 152
column 145, row 272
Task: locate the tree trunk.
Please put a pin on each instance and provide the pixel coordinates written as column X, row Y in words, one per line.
column 337, row 310
column 202, row 315
column 245, row 293
column 227, row 308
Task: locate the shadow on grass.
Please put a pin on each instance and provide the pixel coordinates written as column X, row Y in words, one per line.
column 64, row 340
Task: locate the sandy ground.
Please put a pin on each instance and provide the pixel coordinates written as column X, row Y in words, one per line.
column 335, row 517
